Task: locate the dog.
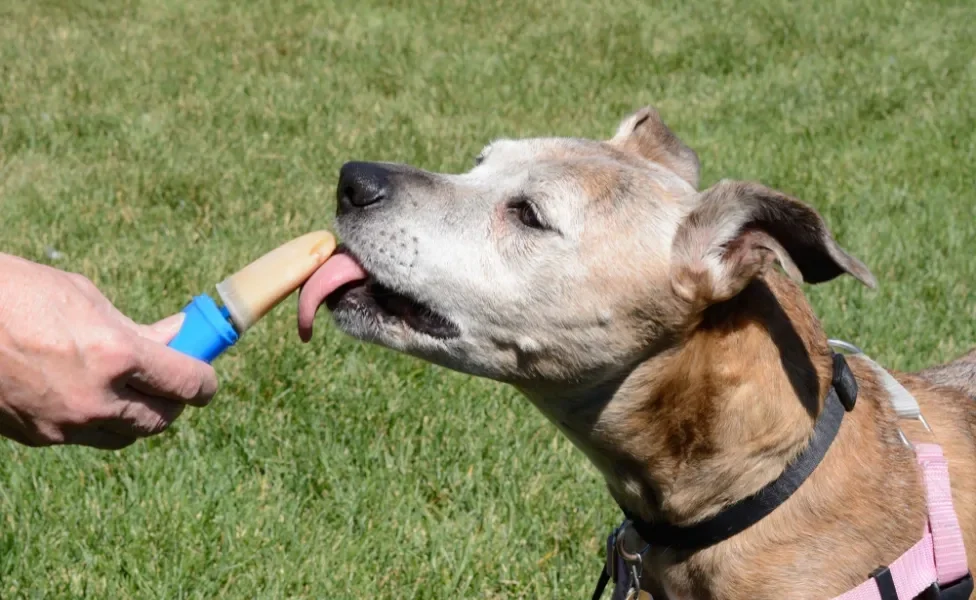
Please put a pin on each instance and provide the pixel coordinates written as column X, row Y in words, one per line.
column 663, row 330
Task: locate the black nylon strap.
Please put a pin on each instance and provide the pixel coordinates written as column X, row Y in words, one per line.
column 844, row 382
column 601, row 584
column 749, row 511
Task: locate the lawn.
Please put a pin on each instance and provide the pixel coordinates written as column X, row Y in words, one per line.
column 158, row 146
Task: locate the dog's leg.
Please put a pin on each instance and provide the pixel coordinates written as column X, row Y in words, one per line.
column 959, row 374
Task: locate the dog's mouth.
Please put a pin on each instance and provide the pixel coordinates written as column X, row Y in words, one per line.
column 344, row 286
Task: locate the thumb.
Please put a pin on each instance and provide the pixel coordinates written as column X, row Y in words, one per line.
column 163, row 331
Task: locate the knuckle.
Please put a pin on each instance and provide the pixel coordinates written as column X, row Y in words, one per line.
column 62, row 346
column 82, row 283
column 47, row 434
column 191, row 388
column 159, row 423
column 207, row 386
column 144, row 421
column 150, row 427
column 158, row 426
column 111, row 350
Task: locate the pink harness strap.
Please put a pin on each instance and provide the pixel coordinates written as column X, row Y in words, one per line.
column 912, row 572
column 950, row 551
column 940, row 556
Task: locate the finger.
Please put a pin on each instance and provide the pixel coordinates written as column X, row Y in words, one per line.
column 103, row 439
column 162, row 332
column 138, row 415
column 164, row 372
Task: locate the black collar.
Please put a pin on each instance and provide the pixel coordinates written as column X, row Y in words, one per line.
column 749, row 511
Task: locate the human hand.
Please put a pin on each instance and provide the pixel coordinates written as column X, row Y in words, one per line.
column 74, row 370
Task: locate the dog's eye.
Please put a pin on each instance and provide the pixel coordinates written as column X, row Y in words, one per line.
column 526, row 213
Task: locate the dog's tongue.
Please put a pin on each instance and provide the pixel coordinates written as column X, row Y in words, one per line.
column 335, row 273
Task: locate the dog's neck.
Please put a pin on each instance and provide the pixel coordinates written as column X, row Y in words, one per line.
column 712, row 420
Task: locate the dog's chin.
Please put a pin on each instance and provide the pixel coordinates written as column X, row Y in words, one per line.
column 373, row 312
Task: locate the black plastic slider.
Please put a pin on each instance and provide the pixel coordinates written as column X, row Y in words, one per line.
column 957, row 590
column 886, row 585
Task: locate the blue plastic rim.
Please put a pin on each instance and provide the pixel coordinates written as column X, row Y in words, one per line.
column 206, row 331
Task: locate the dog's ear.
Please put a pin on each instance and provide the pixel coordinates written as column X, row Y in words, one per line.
column 645, row 134
column 737, row 229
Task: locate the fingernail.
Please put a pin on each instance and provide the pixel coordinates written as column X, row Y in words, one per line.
column 170, row 325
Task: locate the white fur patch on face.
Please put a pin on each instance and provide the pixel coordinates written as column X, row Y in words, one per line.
column 554, row 300
column 528, row 345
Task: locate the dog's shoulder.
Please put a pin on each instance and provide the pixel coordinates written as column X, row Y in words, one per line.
column 951, row 416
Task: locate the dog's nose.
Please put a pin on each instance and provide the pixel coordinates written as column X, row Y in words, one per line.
column 361, row 184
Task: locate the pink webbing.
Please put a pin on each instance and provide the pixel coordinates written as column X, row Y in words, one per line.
column 912, row 572
column 950, row 551
column 941, row 554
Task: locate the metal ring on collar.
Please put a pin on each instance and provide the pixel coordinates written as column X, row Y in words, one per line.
column 845, row 346
column 629, row 557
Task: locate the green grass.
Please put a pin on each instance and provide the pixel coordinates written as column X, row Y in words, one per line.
column 161, row 145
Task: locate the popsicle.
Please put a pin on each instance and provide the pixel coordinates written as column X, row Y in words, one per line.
column 249, row 294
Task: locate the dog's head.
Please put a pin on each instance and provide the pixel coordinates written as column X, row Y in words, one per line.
column 561, row 261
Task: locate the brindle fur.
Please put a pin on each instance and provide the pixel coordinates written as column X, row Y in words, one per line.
column 651, row 328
